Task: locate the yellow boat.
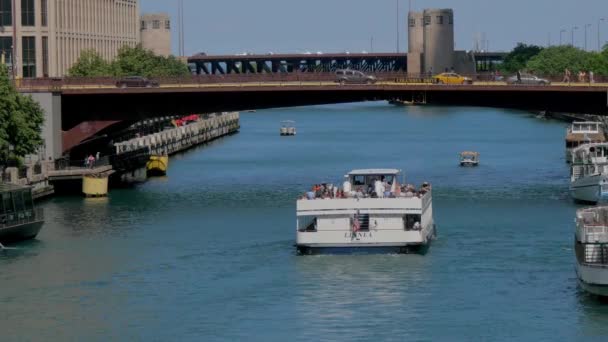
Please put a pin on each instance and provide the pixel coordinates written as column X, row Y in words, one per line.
column 157, row 165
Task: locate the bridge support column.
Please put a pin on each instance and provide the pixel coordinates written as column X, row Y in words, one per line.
column 51, row 129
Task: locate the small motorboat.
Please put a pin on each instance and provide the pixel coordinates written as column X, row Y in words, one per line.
column 288, row 128
column 469, row 158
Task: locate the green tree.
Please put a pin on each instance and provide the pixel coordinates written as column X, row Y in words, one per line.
column 130, row 61
column 519, row 57
column 21, row 120
column 554, row 60
column 90, row 64
column 138, row 61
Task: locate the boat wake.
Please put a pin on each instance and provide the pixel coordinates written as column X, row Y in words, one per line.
column 4, row 248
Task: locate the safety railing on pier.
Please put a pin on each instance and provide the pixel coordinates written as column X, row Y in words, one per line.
column 63, row 164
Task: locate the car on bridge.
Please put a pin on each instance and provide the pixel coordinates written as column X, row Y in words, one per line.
column 136, row 82
column 451, row 78
column 347, row 76
column 528, row 79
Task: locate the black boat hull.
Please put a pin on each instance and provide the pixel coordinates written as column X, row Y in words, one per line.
column 22, row 232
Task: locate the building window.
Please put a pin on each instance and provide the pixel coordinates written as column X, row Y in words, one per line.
column 451, row 19
column 29, row 56
column 427, row 20
column 28, row 17
column 6, row 13
column 412, row 22
column 45, row 56
column 440, row 19
column 143, row 24
column 156, row 24
column 44, row 13
column 167, row 25
column 6, row 50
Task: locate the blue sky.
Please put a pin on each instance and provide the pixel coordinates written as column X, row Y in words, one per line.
column 261, row 26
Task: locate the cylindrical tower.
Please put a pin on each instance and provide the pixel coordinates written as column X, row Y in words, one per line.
column 438, row 40
column 415, row 32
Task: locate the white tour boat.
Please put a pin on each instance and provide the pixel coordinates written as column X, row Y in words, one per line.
column 591, row 248
column 288, row 128
column 589, row 173
column 370, row 211
column 580, row 133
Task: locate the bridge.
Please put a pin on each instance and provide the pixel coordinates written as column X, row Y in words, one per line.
column 316, row 62
column 73, row 102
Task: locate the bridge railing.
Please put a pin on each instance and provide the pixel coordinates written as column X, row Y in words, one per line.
column 58, row 84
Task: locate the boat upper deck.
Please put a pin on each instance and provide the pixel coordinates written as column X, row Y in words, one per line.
column 592, row 225
column 585, row 132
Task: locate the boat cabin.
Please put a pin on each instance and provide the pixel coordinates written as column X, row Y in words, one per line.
column 364, row 179
column 16, row 205
column 288, row 127
column 583, row 133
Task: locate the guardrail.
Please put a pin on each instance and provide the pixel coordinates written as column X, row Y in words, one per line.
column 64, row 164
column 58, row 84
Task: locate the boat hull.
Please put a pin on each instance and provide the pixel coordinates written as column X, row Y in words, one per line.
column 589, row 189
column 21, row 232
column 358, row 245
column 157, row 166
column 469, row 164
column 593, row 279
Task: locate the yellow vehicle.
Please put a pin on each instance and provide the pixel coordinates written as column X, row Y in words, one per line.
column 451, row 78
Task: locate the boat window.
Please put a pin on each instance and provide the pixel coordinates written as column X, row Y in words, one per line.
column 28, row 201
column 7, row 203
column 359, row 180
column 18, row 198
column 410, row 220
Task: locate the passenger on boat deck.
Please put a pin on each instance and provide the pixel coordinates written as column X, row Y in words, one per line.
column 379, row 187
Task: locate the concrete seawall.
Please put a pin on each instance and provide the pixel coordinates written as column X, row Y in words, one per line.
column 174, row 140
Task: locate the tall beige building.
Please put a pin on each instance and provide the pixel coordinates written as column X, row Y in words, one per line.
column 50, row 34
column 156, row 33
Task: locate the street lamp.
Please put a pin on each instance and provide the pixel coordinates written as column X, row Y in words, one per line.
column 599, row 47
column 561, row 36
column 586, row 26
column 574, row 28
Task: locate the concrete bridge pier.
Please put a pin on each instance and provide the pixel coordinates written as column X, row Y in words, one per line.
column 51, row 129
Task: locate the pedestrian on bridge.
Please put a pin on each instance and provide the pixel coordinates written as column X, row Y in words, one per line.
column 567, row 75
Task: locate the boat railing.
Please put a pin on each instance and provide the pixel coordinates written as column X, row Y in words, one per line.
column 21, row 217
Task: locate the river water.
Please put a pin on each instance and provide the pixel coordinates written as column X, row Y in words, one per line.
column 206, row 254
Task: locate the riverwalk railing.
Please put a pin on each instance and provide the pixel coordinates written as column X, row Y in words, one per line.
column 63, row 164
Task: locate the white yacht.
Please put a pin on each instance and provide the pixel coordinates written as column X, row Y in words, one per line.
column 589, row 173
column 580, row 133
column 371, row 211
column 288, row 127
column 591, row 248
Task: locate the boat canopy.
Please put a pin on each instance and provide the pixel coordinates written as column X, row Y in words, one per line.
column 586, row 127
column 288, row 123
column 366, row 172
column 469, row 153
column 595, row 216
